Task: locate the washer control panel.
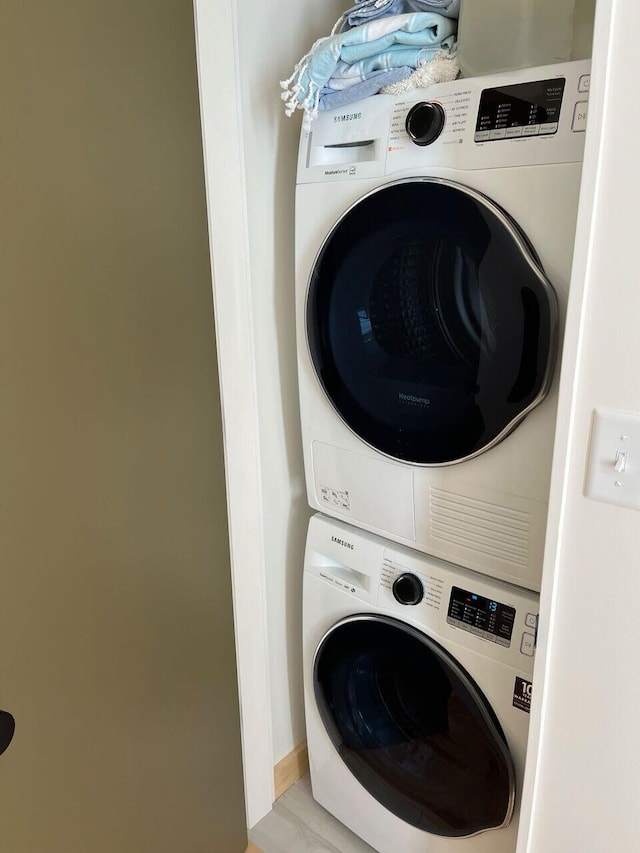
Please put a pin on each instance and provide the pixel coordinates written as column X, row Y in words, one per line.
column 496, row 615
column 449, row 603
column 481, row 616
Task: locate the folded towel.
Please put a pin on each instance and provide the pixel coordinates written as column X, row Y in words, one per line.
column 367, row 10
column 389, row 42
column 441, row 69
column 331, row 99
column 346, row 76
column 396, row 56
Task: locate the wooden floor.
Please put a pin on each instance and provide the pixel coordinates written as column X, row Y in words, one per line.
column 297, row 824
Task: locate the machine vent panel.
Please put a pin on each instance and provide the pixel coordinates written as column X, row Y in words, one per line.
column 497, row 531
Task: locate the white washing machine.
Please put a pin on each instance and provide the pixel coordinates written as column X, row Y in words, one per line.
column 417, row 680
column 434, row 241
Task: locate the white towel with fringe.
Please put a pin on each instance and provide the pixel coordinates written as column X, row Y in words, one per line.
column 441, row 69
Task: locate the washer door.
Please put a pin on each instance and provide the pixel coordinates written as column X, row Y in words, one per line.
column 430, row 323
column 413, row 727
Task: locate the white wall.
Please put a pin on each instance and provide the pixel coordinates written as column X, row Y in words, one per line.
column 244, row 49
column 272, row 36
column 586, row 790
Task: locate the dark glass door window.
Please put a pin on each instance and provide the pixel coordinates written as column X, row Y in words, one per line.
column 431, row 325
column 413, row 727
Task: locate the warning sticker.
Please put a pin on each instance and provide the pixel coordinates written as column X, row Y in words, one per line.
column 522, row 694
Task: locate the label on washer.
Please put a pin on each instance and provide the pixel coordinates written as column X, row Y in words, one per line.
column 522, row 694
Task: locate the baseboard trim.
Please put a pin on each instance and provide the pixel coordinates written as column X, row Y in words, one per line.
column 291, row 768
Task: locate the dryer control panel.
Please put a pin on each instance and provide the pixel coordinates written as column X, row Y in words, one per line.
column 525, row 109
column 539, row 116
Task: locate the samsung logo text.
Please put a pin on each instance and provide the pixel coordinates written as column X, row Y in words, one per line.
column 342, row 542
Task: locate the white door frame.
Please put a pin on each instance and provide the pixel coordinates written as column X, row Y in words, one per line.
column 604, row 53
column 216, row 41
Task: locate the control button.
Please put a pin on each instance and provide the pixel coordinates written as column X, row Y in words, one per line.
column 425, row 122
column 584, row 83
column 548, row 129
column 513, row 132
column 532, row 130
column 527, row 646
column 408, row 589
column 477, row 631
column 498, row 133
column 482, row 136
column 579, row 123
column 531, row 620
column 489, row 636
column 501, row 641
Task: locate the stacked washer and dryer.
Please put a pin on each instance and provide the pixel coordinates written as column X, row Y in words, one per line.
column 434, row 241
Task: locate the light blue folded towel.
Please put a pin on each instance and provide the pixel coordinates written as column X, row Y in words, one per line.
column 395, row 56
column 367, row 10
column 331, row 99
column 346, row 76
column 388, row 42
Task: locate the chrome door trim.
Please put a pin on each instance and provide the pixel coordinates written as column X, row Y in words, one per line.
column 481, row 701
column 530, row 256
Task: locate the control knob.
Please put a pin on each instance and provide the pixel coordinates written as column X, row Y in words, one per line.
column 425, row 122
column 408, row 589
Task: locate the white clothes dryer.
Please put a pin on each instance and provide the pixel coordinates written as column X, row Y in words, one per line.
column 417, row 682
column 434, row 241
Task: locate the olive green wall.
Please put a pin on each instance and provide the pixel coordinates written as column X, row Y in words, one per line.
column 116, row 634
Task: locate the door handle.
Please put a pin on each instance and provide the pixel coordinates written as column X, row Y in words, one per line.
column 7, row 728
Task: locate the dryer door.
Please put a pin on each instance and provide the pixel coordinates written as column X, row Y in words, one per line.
column 430, row 323
column 413, row 727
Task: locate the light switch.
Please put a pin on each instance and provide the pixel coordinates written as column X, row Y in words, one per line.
column 621, row 461
column 614, row 459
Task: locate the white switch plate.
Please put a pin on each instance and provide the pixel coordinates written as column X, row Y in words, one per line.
column 615, row 444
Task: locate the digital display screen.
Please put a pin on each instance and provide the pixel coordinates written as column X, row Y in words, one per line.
column 526, row 109
column 481, row 616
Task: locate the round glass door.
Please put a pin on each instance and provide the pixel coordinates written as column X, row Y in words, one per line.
column 413, row 727
column 431, row 325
